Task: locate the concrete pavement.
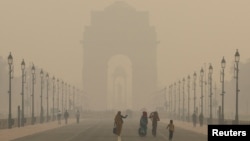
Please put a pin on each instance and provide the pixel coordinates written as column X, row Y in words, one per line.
column 10, row 134
column 13, row 133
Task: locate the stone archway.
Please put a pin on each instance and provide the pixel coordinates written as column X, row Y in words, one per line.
column 121, row 33
column 119, row 94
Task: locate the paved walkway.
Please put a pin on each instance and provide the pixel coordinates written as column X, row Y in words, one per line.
column 188, row 126
column 10, row 134
column 13, row 133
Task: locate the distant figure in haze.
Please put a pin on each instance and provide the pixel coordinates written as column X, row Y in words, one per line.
column 201, row 119
column 77, row 116
column 170, row 128
column 66, row 116
column 59, row 114
column 143, row 124
column 194, row 117
column 119, row 122
column 154, row 118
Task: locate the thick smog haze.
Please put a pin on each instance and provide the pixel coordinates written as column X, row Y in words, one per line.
column 108, row 60
column 190, row 33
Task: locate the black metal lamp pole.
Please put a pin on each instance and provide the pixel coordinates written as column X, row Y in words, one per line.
column 23, row 81
column 58, row 88
column 194, row 76
column 179, row 109
column 223, row 65
column 10, row 62
column 201, row 84
column 188, row 85
column 169, row 97
column 53, row 99
column 66, row 89
column 41, row 112
column 47, row 97
column 183, row 99
column 236, row 68
column 74, row 98
column 174, row 99
column 62, row 97
column 211, row 92
column 33, row 82
column 69, row 100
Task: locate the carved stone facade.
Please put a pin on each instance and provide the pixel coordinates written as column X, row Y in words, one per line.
column 119, row 59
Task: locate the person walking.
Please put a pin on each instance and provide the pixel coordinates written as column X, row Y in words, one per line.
column 66, row 116
column 77, row 116
column 143, row 124
column 59, row 114
column 170, row 128
column 154, row 118
column 201, row 119
column 119, row 122
column 194, row 117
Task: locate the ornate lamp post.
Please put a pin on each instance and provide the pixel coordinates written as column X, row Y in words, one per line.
column 33, row 82
column 170, row 102
column 66, row 97
column 53, row 99
column 58, row 88
column 23, row 81
column 211, row 92
column 188, row 85
column 236, row 70
column 174, row 99
column 62, row 97
column 223, row 65
column 69, row 99
column 183, row 100
column 194, row 76
column 201, row 84
column 179, row 109
column 10, row 62
column 41, row 112
column 74, row 98
column 47, row 97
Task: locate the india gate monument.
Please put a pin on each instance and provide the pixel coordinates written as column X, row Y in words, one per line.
column 119, row 58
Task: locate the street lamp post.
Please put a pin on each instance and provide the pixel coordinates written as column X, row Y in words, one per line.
column 10, row 62
column 53, row 99
column 211, row 92
column 23, row 81
column 33, row 82
column 47, row 97
column 69, row 99
column 66, row 88
column 223, row 65
column 74, row 98
column 194, row 76
column 41, row 111
column 179, row 109
column 58, row 88
column 62, row 97
column 183, row 100
column 188, row 85
column 170, row 102
column 236, row 70
column 201, row 84
column 174, row 99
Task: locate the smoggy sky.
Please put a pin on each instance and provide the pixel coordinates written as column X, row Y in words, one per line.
column 191, row 33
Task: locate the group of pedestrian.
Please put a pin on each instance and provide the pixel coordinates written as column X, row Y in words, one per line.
column 154, row 117
column 194, row 118
column 66, row 116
